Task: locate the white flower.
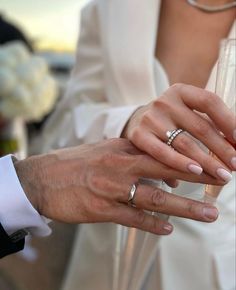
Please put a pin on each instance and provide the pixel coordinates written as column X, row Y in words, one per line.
column 26, row 88
column 44, row 95
column 31, row 72
column 6, row 60
column 21, row 95
column 7, row 81
column 40, row 64
column 18, row 51
column 18, row 104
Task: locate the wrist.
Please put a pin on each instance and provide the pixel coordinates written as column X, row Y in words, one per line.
column 26, row 171
column 130, row 123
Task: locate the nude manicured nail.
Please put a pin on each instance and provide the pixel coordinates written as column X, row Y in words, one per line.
column 210, row 213
column 233, row 162
column 224, row 174
column 195, row 169
column 234, row 134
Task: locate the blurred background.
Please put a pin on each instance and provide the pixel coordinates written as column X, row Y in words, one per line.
column 37, row 47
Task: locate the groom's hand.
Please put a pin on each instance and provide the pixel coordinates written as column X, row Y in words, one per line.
column 91, row 183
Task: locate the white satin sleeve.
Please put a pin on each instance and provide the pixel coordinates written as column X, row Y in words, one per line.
column 16, row 211
column 86, row 115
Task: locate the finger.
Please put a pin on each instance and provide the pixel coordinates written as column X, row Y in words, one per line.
column 156, row 199
column 209, row 103
column 147, row 167
column 165, row 154
column 136, row 218
column 172, row 182
column 201, row 129
column 184, row 144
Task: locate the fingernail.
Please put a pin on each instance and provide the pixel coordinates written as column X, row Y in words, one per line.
column 210, row 213
column 233, row 162
column 224, row 174
column 234, row 134
column 195, row 169
column 168, row 228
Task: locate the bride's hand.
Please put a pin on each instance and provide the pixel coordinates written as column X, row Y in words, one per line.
column 180, row 107
column 91, row 183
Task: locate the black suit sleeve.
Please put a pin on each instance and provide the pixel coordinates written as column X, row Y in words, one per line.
column 11, row 244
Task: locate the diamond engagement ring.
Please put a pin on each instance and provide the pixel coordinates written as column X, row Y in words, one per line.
column 172, row 135
column 132, row 194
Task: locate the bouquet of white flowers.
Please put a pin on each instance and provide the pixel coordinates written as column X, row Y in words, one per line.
column 27, row 93
column 27, row 89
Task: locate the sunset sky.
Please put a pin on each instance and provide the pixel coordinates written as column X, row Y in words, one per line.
column 51, row 24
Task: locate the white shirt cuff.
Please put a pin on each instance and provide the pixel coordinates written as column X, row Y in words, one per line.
column 16, row 211
column 117, row 120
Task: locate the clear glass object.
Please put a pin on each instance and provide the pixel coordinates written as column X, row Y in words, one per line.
column 135, row 251
column 226, row 89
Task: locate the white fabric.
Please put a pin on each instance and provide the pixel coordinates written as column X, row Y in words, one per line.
column 16, row 212
column 115, row 69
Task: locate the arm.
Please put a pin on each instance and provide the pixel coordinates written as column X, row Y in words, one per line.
column 205, row 120
column 86, row 115
column 82, row 185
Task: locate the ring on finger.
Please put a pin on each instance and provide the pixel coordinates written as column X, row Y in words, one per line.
column 172, row 135
column 132, row 194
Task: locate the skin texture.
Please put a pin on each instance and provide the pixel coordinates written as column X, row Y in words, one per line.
column 187, row 46
column 90, row 183
column 188, row 40
column 180, row 107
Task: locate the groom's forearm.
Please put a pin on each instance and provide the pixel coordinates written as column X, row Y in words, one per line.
column 91, row 183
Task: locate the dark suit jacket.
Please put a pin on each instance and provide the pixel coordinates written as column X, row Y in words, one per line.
column 10, row 244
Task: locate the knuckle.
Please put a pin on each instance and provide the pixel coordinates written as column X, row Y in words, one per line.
column 123, row 195
column 178, row 87
column 156, row 225
column 147, row 118
column 183, row 143
column 229, row 151
column 158, row 103
column 209, row 162
column 209, row 99
column 191, row 208
column 136, row 134
column 158, row 198
column 162, row 105
column 140, row 218
column 202, row 128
